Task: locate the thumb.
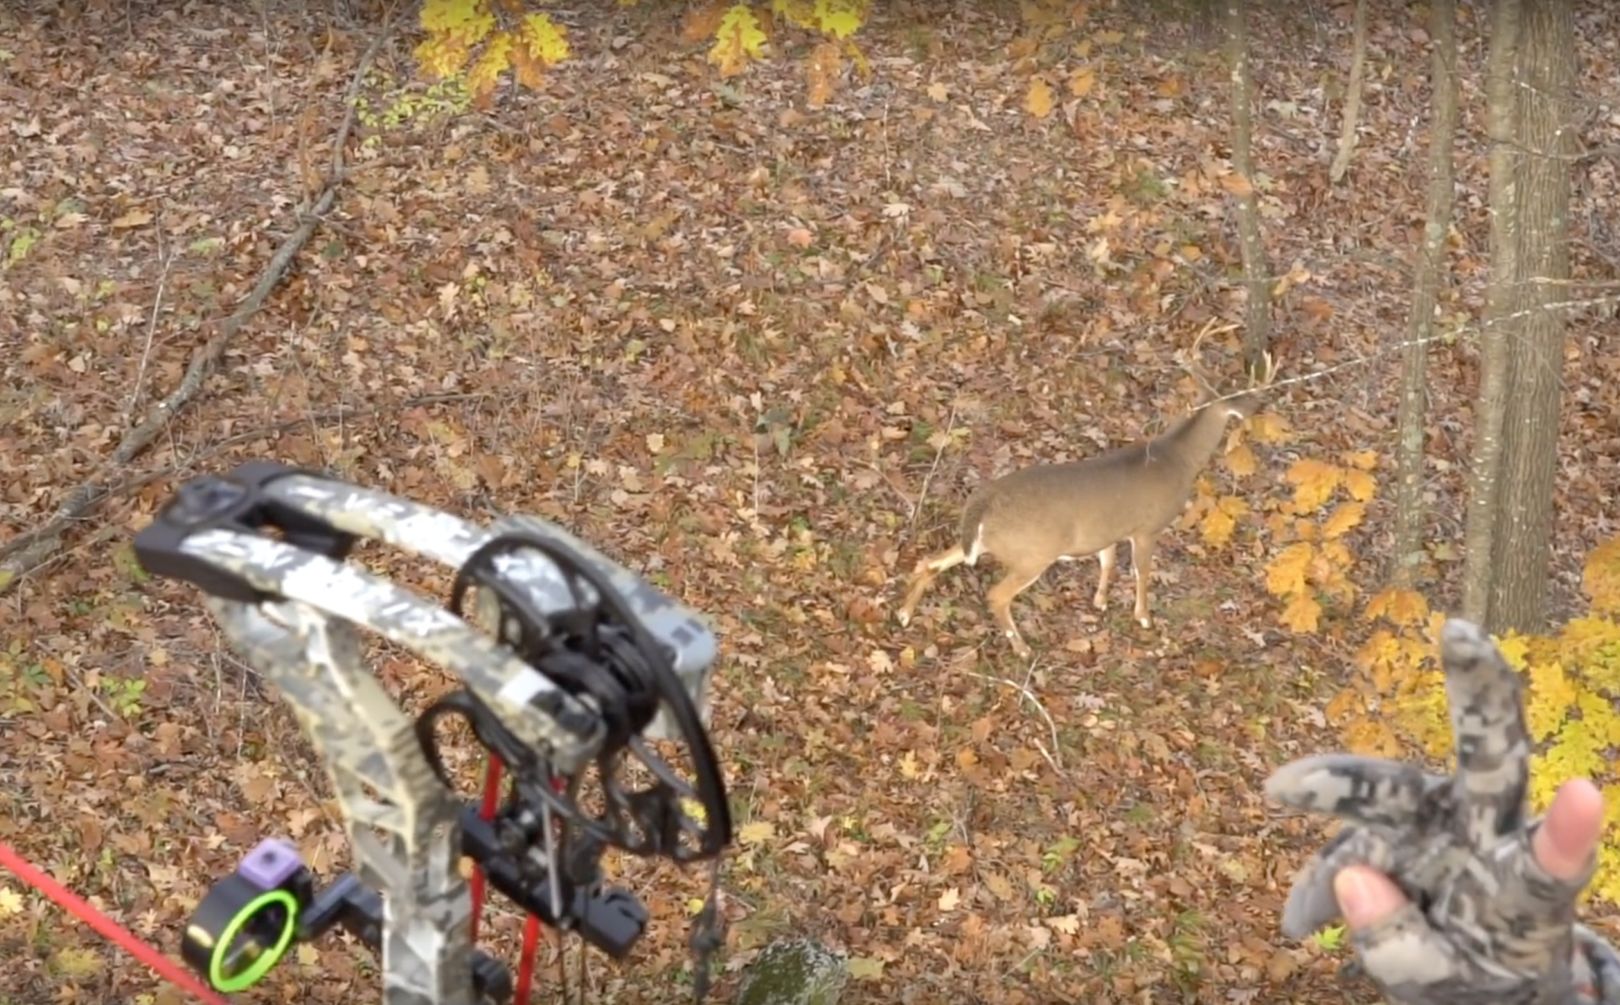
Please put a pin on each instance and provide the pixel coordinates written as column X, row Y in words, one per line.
column 1366, row 897
column 1564, row 842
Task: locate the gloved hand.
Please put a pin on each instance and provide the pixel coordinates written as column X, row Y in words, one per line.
column 1452, row 897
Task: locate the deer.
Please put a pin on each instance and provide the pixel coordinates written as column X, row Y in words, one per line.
column 1030, row 518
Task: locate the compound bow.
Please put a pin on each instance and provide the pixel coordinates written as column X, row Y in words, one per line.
column 574, row 662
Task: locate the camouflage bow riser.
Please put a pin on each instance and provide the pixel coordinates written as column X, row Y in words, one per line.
column 303, row 632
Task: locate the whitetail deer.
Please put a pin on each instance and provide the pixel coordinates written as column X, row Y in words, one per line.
column 1050, row 512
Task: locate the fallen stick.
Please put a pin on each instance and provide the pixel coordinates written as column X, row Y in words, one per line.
column 42, row 550
column 35, row 546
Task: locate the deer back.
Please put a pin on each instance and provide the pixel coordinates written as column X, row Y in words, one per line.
column 1035, row 515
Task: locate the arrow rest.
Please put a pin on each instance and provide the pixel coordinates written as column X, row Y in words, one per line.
column 582, row 665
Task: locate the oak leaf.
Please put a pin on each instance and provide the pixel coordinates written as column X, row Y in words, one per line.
column 738, row 40
column 1038, row 101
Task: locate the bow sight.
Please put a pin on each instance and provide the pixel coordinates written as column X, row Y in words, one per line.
column 575, row 663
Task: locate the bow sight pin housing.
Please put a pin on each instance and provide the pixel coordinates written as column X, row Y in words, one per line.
column 248, row 921
column 568, row 663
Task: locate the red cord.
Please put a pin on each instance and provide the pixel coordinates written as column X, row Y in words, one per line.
column 109, row 929
column 525, row 971
column 492, row 794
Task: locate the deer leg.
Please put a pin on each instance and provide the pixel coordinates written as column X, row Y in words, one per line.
column 925, row 573
column 1142, row 565
column 1000, row 601
column 1105, row 558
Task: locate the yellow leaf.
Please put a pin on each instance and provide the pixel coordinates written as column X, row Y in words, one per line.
column 840, row 18
column 440, row 57
column 486, row 70
column 1366, row 460
column 1240, row 460
column 865, row 968
column 909, row 769
column 1221, row 520
column 1038, row 102
column 1359, row 484
column 1371, row 737
column 1601, row 577
column 10, row 901
column 545, row 40
column 1269, row 427
column 1343, row 519
column 756, row 832
column 737, row 41
column 462, row 22
column 1313, row 481
column 1285, row 574
column 950, row 899
column 1513, row 647
column 1082, row 81
column 1403, row 607
column 73, row 961
column 1302, row 613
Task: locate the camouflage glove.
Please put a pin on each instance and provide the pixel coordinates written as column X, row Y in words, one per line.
column 1484, row 922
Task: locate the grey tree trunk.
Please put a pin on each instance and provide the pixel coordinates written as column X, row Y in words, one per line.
column 1428, row 274
column 1352, row 93
column 1535, row 355
column 1256, row 273
column 1500, row 301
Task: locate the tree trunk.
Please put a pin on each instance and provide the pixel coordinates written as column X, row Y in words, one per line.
column 1535, row 355
column 1500, row 301
column 1352, row 94
column 1428, row 272
column 1256, row 273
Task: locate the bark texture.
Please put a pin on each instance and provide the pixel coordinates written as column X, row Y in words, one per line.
column 1352, row 94
column 1521, row 549
column 1429, row 271
column 1256, row 272
column 1501, row 124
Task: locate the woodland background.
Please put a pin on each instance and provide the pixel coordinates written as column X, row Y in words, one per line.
column 755, row 315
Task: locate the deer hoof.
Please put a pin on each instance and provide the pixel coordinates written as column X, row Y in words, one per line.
column 903, row 616
column 1146, row 621
column 1100, row 602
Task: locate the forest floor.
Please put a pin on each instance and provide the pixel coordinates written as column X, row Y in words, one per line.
column 762, row 351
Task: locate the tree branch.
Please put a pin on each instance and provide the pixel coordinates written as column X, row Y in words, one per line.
column 33, row 546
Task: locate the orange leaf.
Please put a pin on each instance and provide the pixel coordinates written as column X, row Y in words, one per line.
column 1240, row 460
column 1313, row 481
column 1402, row 607
column 1344, row 518
column 1285, row 574
column 1302, row 613
column 1237, row 184
column 1038, row 102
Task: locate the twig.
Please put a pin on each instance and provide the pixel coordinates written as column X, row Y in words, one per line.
column 922, row 493
column 1027, row 693
column 33, row 546
column 151, row 323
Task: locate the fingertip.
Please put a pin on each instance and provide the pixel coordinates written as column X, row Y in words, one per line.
column 1366, row 896
column 1564, row 842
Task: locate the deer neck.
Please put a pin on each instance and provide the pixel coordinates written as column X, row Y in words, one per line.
column 1188, row 444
